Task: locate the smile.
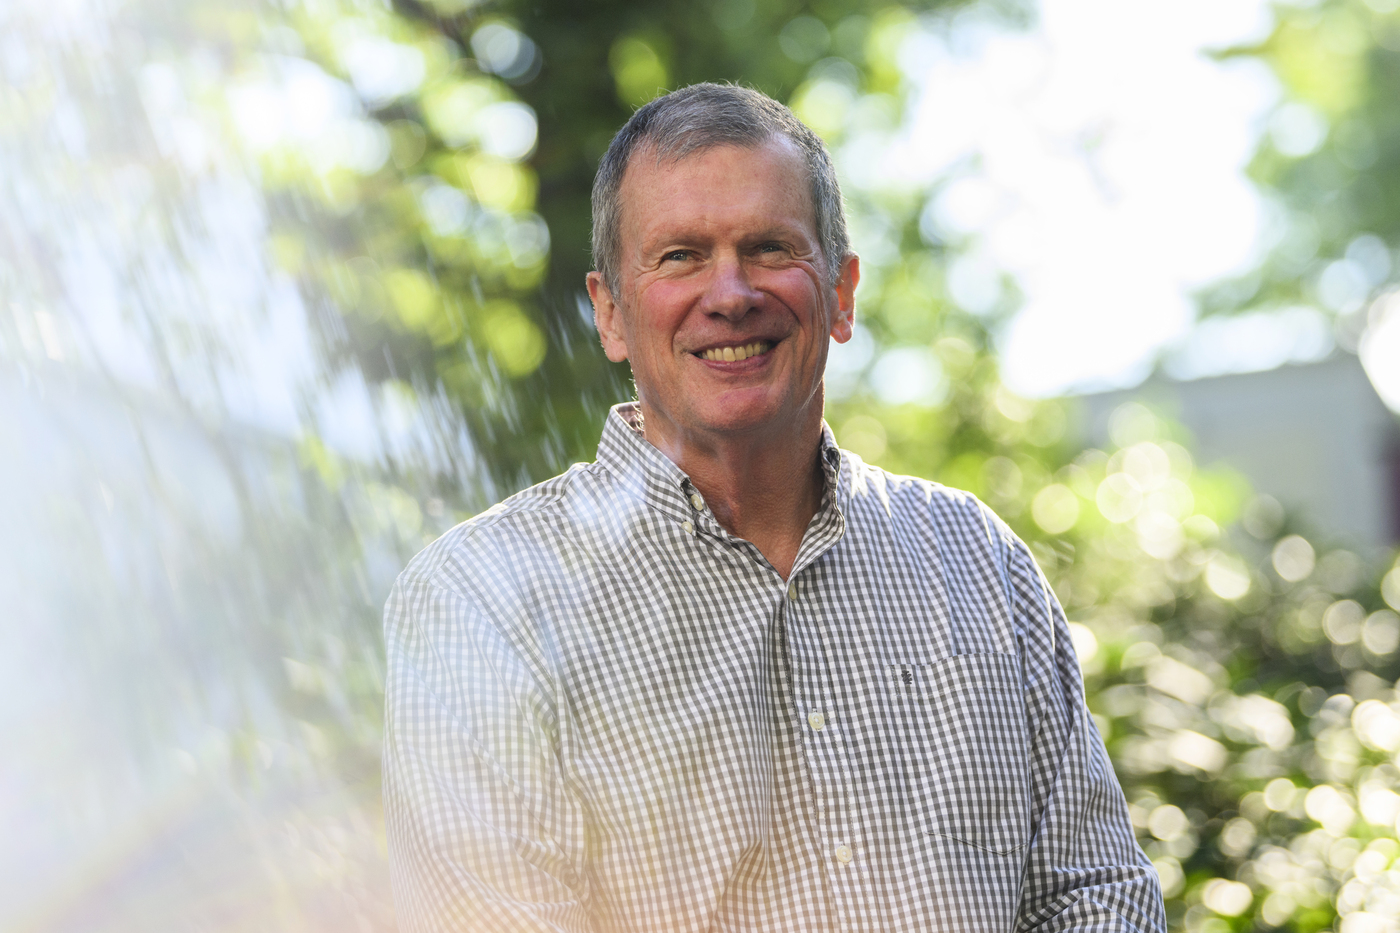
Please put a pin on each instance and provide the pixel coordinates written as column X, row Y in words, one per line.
column 734, row 354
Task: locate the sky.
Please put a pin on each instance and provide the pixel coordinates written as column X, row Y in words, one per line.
column 1099, row 160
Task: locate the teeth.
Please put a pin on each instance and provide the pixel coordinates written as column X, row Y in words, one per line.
column 735, row 354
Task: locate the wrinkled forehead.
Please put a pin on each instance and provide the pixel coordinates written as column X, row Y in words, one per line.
column 660, row 156
column 672, row 150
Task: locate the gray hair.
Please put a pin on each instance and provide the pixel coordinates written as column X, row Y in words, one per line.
column 700, row 117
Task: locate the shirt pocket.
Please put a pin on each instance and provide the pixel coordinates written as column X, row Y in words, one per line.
column 968, row 763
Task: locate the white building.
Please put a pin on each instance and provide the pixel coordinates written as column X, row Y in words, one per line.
column 1315, row 436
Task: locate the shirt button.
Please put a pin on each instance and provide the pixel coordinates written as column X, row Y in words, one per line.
column 697, row 502
column 792, row 592
column 688, row 527
column 816, row 720
column 843, row 854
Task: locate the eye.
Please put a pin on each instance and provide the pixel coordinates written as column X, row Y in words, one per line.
column 676, row 255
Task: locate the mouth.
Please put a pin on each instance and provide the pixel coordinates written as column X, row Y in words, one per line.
column 736, row 354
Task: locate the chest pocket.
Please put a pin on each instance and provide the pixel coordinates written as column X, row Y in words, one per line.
column 969, row 765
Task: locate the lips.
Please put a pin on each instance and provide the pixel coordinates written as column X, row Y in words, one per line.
column 735, row 354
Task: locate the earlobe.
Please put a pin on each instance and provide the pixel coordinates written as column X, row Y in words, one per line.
column 607, row 317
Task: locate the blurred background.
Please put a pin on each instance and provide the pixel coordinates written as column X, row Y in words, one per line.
column 289, row 288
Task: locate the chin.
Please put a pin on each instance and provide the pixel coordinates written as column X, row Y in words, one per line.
column 742, row 421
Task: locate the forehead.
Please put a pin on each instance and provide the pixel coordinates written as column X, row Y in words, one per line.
column 721, row 181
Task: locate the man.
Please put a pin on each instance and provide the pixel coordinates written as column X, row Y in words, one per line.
column 729, row 677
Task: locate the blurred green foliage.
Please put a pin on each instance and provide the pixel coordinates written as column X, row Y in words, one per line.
column 1330, row 159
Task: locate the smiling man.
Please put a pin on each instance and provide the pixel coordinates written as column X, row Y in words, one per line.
column 730, row 677
column 730, row 305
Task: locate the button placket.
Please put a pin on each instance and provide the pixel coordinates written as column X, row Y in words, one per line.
column 836, row 809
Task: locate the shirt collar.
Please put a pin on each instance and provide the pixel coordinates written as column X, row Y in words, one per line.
column 829, row 524
column 624, row 452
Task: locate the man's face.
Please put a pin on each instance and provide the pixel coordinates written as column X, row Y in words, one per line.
column 724, row 308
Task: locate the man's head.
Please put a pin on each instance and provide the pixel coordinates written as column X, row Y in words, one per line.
column 701, row 117
column 724, row 267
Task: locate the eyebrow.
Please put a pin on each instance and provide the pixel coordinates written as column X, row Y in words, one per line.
column 665, row 240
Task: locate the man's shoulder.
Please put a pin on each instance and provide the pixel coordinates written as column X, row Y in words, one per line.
column 913, row 497
column 514, row 529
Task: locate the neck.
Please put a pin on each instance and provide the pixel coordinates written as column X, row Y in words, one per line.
column 762, row 486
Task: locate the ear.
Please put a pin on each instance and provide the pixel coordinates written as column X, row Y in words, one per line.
column 843, row 324
column 607, row 316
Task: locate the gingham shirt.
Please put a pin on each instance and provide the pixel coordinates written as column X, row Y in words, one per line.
column 606, row 713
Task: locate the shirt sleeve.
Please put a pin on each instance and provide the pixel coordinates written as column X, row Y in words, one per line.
column 481, row 834
column 1085, row 870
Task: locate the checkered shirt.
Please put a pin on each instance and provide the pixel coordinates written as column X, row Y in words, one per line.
column 605, row 713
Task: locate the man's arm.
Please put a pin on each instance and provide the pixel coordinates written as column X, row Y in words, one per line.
column 1085, row 870
column 481, row 835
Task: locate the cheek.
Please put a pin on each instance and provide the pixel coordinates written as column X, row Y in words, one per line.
column 799, row 289
column 667, row 300
column 661, row 308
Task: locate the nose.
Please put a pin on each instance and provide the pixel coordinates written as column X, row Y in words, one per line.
column 730, row 293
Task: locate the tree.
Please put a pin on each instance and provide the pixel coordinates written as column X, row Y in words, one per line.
column 1330, row 160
